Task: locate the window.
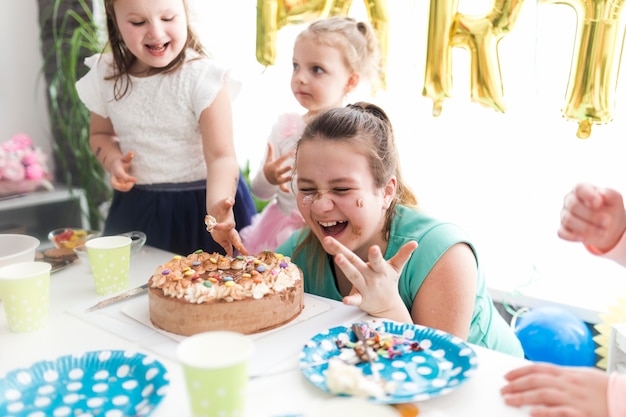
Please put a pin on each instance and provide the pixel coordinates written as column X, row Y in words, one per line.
column 502, row 176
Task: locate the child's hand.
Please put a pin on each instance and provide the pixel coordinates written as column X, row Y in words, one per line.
column 222, row 228
column 594, row 216
column 120, row 168
column 275, row 172
column 551, row 390
column 375, row 282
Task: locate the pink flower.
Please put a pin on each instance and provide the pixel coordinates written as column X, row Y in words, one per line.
column 22, row 140
column 10, row 147
column 34, row 172
column 20, row 159
column 30, row 158
column 13, row 170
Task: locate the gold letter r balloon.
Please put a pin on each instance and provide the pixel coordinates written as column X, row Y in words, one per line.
column 595, row 64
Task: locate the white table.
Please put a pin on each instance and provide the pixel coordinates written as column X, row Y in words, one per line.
column 277, row 388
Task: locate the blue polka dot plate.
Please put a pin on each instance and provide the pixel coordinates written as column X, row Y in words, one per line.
column 109, row 383
column 440, row 365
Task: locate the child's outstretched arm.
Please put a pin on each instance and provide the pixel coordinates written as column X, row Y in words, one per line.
column 594, row 216
column 222, row 171
column 105, row 145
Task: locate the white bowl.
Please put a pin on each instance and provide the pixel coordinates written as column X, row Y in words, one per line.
column 16, row 248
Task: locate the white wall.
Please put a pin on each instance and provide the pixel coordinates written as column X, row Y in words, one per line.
column 501, row 176
column 22, row 101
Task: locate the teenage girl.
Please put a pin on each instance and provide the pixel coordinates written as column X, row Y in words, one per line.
column 363, row 228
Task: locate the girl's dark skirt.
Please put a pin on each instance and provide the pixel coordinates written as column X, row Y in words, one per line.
column 172, row 215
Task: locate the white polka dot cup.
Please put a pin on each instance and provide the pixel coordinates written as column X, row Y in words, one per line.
column 216, row 372
column 109, row 258
column 25, row 292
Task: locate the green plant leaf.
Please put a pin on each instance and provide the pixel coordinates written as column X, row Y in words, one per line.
column 75, row 35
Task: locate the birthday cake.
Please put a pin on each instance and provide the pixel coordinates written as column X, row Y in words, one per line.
column 209, row 291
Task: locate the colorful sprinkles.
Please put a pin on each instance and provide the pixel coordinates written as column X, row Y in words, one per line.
column 242, row 273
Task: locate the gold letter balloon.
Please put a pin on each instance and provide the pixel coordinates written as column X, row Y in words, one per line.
column 480, row 36
column 272, row 15
column 590, row 96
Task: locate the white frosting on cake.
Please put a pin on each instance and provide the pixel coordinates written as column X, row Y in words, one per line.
column 202, row 277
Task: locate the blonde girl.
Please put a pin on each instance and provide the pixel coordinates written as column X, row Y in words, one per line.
column 331, row 57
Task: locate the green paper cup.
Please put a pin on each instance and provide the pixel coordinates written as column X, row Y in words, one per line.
column 109, row 257
column 25, row 292
column 216, row 372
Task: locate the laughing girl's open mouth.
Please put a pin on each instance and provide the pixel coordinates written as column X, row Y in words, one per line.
column 333, row 228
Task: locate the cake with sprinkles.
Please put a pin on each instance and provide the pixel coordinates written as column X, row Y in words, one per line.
column 209, row 291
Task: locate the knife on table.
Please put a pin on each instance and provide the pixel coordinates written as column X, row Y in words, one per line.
column 120, row 297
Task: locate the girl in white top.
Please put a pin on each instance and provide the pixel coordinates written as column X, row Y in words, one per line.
column 330, row 58
column 596, row 217
column 161, row 126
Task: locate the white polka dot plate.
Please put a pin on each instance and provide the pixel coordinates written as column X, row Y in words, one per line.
column 440, row 365
column 107, row 383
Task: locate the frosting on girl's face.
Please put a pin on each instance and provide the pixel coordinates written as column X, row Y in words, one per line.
column 337, row 196
column 307, row 199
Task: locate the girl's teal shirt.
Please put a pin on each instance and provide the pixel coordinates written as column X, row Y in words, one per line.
column 488, row 327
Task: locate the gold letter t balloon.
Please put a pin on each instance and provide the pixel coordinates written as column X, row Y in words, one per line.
column 480, row 36
column 592, row 80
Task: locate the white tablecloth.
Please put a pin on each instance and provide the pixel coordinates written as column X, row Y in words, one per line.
column 276, row 387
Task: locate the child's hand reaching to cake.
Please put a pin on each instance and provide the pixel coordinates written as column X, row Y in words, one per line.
column 222, row 228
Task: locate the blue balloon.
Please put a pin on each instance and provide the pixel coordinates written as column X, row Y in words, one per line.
column 551, row 334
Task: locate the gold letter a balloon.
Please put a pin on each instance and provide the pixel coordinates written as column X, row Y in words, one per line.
column 480, row 36
column 595, row 65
